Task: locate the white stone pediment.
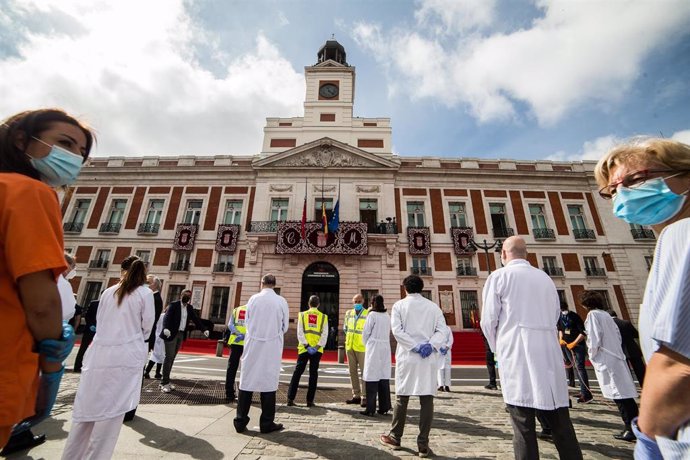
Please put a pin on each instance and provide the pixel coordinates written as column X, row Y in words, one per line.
column 325, row 153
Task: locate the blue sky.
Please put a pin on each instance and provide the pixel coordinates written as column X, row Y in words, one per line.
column 541, row 79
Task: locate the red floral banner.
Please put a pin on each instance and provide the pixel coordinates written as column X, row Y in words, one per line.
column 419, row 239
column 226, row 239
column 461, row 238
column 351, row 238
column 184, row 237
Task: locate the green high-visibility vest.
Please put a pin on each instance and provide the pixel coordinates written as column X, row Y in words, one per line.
column 313, row 322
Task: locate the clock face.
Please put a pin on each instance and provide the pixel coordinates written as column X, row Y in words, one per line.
column 329, row 90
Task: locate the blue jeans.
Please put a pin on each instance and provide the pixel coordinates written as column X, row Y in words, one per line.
column 580, row 352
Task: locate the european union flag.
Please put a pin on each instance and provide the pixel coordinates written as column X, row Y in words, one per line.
column 334, row 222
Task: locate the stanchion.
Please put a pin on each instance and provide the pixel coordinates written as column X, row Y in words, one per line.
column 219, row 348
column 341, row 354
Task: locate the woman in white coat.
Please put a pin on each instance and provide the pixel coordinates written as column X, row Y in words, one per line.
column 444, row 362
column 609, row 362
column 377, row 359
column 111, row 377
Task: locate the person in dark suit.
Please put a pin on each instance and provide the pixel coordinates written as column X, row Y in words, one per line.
column 89, row 333
column 175, row 323
column 155, row 285
column 630, row 347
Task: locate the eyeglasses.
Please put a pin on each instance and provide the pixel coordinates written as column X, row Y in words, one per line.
column 631, row 180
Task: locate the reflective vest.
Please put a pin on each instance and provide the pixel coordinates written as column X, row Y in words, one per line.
column 239, row 314
column 353, row 329
column 313, row 322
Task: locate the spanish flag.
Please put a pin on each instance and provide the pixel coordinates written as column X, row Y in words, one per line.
column 324, row 218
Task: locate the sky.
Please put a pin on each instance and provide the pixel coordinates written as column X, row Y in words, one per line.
column 541, row 79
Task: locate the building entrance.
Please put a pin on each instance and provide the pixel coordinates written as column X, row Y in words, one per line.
column 322, row 279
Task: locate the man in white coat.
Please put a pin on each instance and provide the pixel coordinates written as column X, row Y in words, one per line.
column 519, row 317
column 266, row 321
column 419, row 328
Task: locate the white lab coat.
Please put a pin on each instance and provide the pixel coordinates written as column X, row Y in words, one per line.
column 266, row 321
column 414, row 321
column 66, row 298
column 444, row 362
column 158, row 352
column 607, row 358
column 519, row 316
column 376, row 336
column 110, row 382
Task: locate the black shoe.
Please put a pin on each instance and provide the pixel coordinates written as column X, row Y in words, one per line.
column 239, row 426
column 76, row 371
column 446, row 389
column 363, row 403
column 23, row 441
column 310, row 404
column 440, row 389
column 625, row 435
column 385, row 412
column 491, row 386
column 424, row 451
column 147, row 376
column 354, row 400
column 158, row 376
column 290, row 402
column 368, row 414
column 230, row 398
column 272, row 428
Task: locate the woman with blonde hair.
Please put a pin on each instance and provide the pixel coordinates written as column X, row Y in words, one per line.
column 111, row 377
column 648, row 180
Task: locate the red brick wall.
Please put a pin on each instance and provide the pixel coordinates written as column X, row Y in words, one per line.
column 136, row 208
column 98, row 207
column 238, row 295
column 519, row 212
column 370, row 143
column 82, row 254
column 173, row 208
column 162, row 256
column 570, row 262
column 595, row 214
column 240, row 258
column 437, row 211
column 621, row 302
column 478, row 210
column 250, row 209
column 121, row 253
column 443, row 262
column 283, row 142
column 402, row 261
column 558, row 216
column 204, row 257
column 212, row 211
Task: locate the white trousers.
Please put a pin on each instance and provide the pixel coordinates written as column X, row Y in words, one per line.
column 444, row 371
column 93, row 440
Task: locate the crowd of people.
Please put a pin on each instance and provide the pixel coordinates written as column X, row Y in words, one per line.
column 526, row 328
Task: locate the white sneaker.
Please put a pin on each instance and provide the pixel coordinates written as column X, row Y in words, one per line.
column 172, row 386
column 166, row 388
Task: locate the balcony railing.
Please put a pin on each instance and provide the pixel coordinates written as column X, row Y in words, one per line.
column 179, row 267
column 98, row 264
column 553, row 271
column 148, row 229
column 584, row 234
column 642, row 234
column 421, row 271
column 72, row 227
column 544, row 234
column 109, row 227
column 268, row 226
column 466, row 271
column 383, row 228
column 595, row 272
column 503, row 232
column 223, row 267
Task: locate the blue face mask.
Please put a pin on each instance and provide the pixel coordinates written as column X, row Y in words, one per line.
column 648, row 204
column 358, row 307
column 60, row 167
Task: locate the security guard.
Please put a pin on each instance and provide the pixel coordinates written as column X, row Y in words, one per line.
column 354, row 348
column 237, row 329
column 312, row 333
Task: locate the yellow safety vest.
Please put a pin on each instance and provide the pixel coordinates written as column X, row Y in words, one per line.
column 313, row 322
column 354, row 327
column 239, row 314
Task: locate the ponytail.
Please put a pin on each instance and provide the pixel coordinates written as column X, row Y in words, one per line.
column 134, row 277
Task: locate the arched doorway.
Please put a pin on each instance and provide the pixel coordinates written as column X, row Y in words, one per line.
column 322, row 279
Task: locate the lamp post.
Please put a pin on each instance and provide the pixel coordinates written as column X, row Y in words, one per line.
column 498, row 244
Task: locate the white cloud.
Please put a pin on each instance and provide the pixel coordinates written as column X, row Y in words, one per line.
column 591, row 150
column 456, row 15
column 682, row 136
column 131, row 72
column 575, row 54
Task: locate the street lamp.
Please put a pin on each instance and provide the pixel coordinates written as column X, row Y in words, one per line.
column 498, row 244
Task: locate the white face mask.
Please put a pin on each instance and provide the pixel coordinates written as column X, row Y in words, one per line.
column 71, row 274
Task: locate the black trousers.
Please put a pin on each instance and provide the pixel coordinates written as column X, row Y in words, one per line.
column 268, row 409
column 639, row 368
column 86, row 340
column 491, row 366
column 233, row 363
column 302, row 361
column 525, row 434
column 426, row 417
column 628, row 409
column 382, row 389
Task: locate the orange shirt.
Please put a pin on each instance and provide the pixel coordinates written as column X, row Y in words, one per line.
column 30, row 242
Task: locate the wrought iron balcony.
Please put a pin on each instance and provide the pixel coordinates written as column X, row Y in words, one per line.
column 595, row 272
column 584, row 234
column 544, row 234
column 503, row 232
column 109, row 227
column 466, row 271
column 421, row 271
column 224, row 267
column 267, row 226
column 179, row 267
column 642, row 234
column 553, row 271
column 101, row 264
column 383, row 228
column 148, row 229
column 72, row 227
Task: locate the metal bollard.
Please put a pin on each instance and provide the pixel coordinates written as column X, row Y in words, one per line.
column 219, row 348
column 341, row 354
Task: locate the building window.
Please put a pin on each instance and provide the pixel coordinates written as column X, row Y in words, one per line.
column 592, row 267
column 649, row 260
column 499, row 222
column 368, row 294
column 318, row 212
column 415, row 214
column 469, row 309
column 81, row 207
column 279, row 207
column 144, row 255
column 103, row 256
column 536, row 212
column 193, row 213
column 426, row 294
column 117, row 211
column 174, row 293
column 605, row 294
column 224, row 264
column 577, row 218
column 561, row 296
column 91, row 293
column 154, row 212
column 368, row 208
column 181, row 261
column 549, row 262
column 233, row 212
column 458, row 218
column 420, row 265
column 219, row 304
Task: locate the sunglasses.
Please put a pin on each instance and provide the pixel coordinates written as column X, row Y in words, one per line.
column 631, row 180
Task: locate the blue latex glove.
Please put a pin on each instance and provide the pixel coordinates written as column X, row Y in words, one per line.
column 47, row 394
column 312, row 350
column 426, row 350
column 239, row 337
column 92, row 329
column 444, row 351
column 56, row 351
column 417, row 348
